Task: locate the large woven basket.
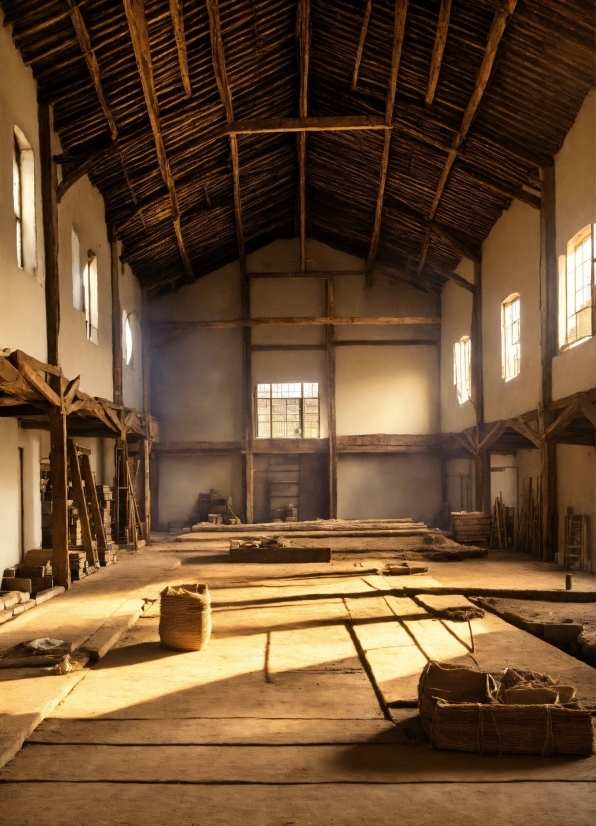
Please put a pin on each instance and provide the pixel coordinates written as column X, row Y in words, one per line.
column 185, row 619
column 486, row 726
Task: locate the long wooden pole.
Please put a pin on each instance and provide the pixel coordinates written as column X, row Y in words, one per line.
column 482, row 456
column 81, row 503
column 331, row 411
column 116, row 321
column 548, row 346
column 57, row 415
column 286, row 321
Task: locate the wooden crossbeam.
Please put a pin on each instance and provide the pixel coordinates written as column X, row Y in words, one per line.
column 303, row 33
column 286, row 321
column 305, row 274
column 137, row 25
column 497, row 29
column 177, row 15
column 345, row 123
column 399, row 26
column 361, row 41
column 438, row 49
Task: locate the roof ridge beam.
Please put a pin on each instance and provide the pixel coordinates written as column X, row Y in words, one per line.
column 177, row 15
column 303, row 32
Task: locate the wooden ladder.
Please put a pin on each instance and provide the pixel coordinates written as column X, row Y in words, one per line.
column 576, row 535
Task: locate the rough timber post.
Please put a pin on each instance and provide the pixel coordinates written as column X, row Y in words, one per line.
column 57, row 415
column 482, row 456
column 548, row 349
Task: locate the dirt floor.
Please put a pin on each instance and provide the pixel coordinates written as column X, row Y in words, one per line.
column 301, row 711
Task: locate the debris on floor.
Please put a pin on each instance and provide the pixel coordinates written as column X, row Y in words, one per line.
column 45, row 655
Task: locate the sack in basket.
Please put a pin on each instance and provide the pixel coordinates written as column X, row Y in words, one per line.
column 185, row 619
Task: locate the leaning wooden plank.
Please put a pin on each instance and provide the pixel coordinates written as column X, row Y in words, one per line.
column 81, row 503
column 283, row 555
column 91, row 492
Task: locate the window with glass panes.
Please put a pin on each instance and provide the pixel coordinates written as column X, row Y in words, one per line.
column 462, row 369
column 511, row 329
column 579, row 286
column 288, row 411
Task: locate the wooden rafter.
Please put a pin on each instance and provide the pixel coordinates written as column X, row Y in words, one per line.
column 82, row 169
column 438, row 49
column 177, row 15
column 221, row 77
column 92, row 64
column 361, row 41
column 497, row 29
column 399, row 26
column 137, row 24
column 303, row 36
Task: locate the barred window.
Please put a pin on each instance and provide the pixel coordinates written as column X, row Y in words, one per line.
column 288, row 411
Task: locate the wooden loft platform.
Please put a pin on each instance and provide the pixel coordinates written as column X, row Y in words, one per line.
column 26, row 394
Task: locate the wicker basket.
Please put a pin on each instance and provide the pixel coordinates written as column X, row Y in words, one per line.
column 486, row 726
column 185, row 619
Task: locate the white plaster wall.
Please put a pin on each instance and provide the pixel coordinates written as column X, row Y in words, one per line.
column 576, row 487
column 82, row 208
column 181, row 479
column 575, row 171
column 22, row 304
column 9, row 493
column 511, row 264
column 196, row 380
column 131, row 301
column 30, row 442
column 389, row 486
column 386, row 390
column 456, row 321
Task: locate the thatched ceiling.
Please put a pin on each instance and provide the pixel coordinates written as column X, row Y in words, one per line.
column 177, row 155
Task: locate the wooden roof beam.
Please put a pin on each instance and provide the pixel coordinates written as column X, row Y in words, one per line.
column 221, row 77
column 399, row 26
column 303, row 35
column 137, row 24
column 438, row 49
column 177, row 15
column 345, row 123
column 361, row 41
column 92, row 64
column 497, row 29
column 287, row 321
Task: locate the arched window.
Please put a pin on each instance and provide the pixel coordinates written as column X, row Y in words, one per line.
column 462, row 369
column 127, row 325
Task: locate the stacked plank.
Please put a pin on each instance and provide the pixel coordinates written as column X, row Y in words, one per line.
column 105, row 497
column 79, row 567
column 75, row 536
column 46, row 523
column 471, row 528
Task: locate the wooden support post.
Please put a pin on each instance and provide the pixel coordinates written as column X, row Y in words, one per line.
column 331, row 419
column 154, row 476
column 146, row 333
column 60, row 564
column 91, row 496
column 116, row 321
column 548, row 347
column 146, row 466
column 81, row 503
column 482, row 456
column 57, row 416
column 248, row 411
